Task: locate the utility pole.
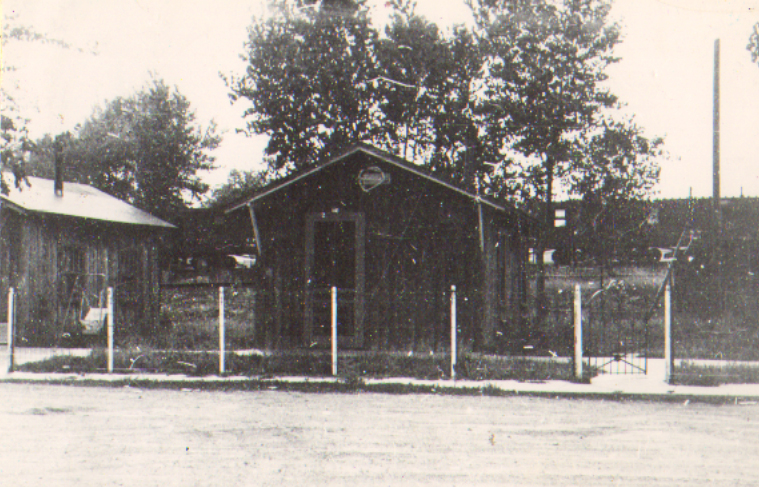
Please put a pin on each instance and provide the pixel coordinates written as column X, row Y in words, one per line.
column 717, row 224
column 715, row 144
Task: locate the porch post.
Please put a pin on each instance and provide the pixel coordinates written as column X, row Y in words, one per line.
column 254, row 223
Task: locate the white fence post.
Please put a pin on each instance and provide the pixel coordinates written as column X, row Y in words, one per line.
column 253, row 318
column 109, row 324
column 333, row 293
column 669, row 361
column 222, row 340
column 11, row 320
column 578, row 332
column 454, row 339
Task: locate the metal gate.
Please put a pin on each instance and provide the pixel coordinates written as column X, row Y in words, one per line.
column 616, row 327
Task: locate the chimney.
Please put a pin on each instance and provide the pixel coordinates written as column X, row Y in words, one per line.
column 58, row 166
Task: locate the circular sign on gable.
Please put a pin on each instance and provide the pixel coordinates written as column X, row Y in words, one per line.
column 371, row 177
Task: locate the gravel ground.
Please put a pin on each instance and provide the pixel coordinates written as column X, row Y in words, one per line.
column 81, row 436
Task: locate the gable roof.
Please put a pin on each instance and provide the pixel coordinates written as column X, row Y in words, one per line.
column 78, row 200
column 383, row 156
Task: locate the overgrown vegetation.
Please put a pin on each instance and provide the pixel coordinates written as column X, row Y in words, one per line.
column 352, row 367
column 615, row 305
column 731, row 335
column 693, row 374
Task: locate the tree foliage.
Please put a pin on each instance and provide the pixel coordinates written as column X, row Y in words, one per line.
column 508, row 107
column 427, row 102
column 146, row 149
column 239, row 185
column 304, row 65
column 545, row 62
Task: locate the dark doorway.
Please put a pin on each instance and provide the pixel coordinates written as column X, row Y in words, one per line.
column 335, row 258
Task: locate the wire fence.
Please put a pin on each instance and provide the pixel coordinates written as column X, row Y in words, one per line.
column 270, row 319
column 246, row 320
column 728, row 330
column 622, row 314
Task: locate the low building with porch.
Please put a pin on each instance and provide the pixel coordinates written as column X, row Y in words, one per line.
column 393, row 239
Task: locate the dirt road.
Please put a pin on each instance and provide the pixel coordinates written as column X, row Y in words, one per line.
column 77, row 436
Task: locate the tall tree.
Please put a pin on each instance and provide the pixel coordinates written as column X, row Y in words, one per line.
column 146, row 149
column 545, row 64
column 304, row 66
column 321, row 76
column 427, row 97
column 522, row 91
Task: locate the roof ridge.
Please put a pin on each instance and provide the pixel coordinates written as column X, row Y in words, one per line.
column 382, row 154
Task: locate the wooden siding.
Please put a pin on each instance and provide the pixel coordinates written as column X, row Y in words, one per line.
column 47, row 308
column 420, row 238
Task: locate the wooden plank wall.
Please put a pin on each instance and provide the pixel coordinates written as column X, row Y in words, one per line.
column 420, row 239
column 32, row 267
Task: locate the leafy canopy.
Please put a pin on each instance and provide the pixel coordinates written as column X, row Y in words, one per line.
column 506, row 107
column 239, row 186
column 304, row 65
column 753, row 43
column 146, row 149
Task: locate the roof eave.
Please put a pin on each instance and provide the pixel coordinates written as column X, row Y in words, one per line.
column 11, row 205
column 294, row 180
column 380, row 155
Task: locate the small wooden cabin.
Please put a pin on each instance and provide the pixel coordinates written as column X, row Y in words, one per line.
column 393, row 239
column 60, row 248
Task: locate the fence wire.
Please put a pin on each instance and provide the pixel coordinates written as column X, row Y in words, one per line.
column 255, row 318
column 404, row 320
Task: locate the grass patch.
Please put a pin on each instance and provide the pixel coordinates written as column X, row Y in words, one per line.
column 352, row 367
column 690, row 374
column 725, row 337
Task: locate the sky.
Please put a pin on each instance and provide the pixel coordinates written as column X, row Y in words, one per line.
column 665, row 75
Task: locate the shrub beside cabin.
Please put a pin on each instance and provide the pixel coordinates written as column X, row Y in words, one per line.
column 393, row 239
column 60, row 248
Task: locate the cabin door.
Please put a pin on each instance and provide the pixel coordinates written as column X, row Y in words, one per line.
column 334, row 258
